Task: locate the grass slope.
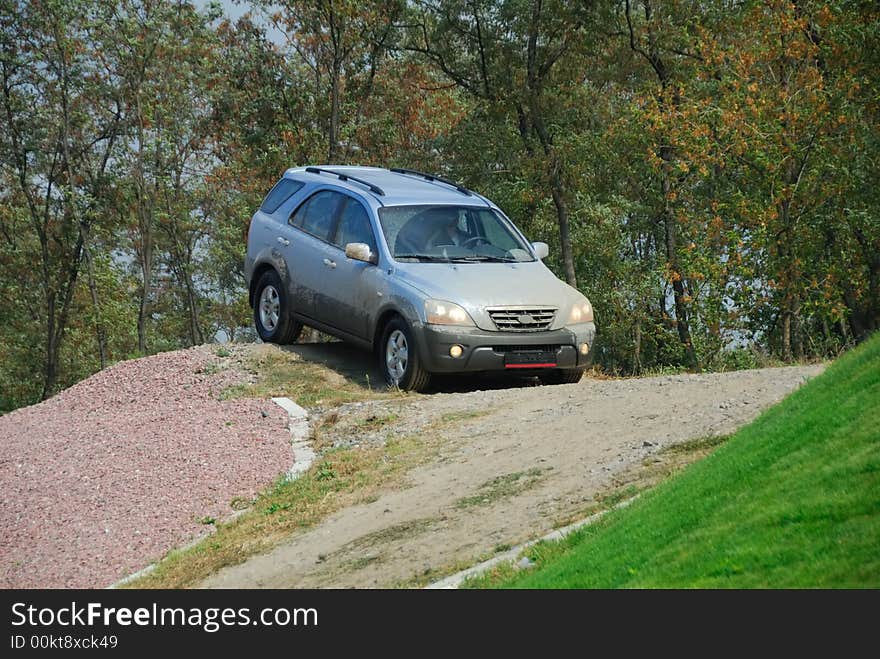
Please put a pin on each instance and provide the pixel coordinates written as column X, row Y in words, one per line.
column 791, row 501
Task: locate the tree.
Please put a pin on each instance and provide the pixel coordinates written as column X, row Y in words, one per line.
column 660, row 37
column 342, row 44
column 790, row 129
column 505, row 55
column 60, row 124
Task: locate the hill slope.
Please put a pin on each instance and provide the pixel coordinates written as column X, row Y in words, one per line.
column 792, row 500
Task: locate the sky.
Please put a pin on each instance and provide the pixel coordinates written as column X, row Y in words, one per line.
column 236, row 9
column 231, row 8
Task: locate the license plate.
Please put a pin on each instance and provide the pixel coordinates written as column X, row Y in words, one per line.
column 533, row 359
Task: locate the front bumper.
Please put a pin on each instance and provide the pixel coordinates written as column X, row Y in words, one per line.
column 485, row 351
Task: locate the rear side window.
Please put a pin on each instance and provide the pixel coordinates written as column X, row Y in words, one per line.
column 282, row 191
column 354, row 227
column 316, row 215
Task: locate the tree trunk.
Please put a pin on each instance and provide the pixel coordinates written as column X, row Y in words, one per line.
column 558, row 193
column 100, row 330
column 146, row 202
column 670, row 231
column 637, row 348
column 333, row 151
column 786, row 333
column 50, row 375
column 670, row 228
column 198, row 336
column 146, row 275
column 534, row 89
column 72, row 211
column 56, row 320
column 788, row 276
column 872, row 304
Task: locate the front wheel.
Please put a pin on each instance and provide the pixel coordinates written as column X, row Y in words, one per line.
column 272, row 316
column 399, row 358
column 561, row 376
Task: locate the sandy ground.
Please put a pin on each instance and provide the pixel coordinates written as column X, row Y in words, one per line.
column 110, row 474
column 554, row 448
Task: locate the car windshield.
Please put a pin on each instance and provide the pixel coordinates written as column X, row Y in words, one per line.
column 456, row 234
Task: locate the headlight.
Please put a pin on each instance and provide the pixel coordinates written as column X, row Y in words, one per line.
column 438, row 312
column 581, row 312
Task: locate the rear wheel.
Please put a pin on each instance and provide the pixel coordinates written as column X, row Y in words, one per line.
column 272, row 313
column 561, row 376
column 399, row 358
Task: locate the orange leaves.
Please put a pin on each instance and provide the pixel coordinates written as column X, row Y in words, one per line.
column 824, row 16
column 526, row 198
column 289, row 138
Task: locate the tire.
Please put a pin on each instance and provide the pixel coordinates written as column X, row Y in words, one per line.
column 561, row 376
column 399, row 358
column 272, row 313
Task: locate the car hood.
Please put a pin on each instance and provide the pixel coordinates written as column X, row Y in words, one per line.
column 476, row 286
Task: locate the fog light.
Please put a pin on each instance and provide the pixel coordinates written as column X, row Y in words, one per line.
column 456, row 351
column 585, row 348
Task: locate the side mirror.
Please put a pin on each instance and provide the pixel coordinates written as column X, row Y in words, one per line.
column 542, row 250
column 360, row 252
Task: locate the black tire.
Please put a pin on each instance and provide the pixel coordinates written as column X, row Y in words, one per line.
column 413, row 376
column 561, row 376
column 272, row 315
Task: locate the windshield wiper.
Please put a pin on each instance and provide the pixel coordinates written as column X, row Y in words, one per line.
column 423, row 257
column 483, row 257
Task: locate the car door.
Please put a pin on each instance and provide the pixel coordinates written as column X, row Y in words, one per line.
column 309, row 228
column 351, row 288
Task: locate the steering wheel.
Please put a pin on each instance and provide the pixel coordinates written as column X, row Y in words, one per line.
column 474, row 240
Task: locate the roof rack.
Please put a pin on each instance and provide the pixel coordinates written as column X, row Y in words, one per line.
column 431, row 177
column 345, row 177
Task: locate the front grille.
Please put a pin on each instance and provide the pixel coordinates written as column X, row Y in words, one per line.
column 522, row 319
column 526, row 348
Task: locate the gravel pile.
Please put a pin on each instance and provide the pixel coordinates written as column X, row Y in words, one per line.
column 110, row 474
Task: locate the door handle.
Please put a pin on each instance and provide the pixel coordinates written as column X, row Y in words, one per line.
column 329, row 263
column 283, row 241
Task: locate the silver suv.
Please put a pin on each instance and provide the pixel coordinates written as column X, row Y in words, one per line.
column 431, row 276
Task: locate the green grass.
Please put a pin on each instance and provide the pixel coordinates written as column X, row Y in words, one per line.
column 790, row 501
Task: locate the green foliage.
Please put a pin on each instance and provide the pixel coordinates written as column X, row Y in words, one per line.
column 707, row 176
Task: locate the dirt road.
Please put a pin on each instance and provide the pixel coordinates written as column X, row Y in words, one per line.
column 512, row 464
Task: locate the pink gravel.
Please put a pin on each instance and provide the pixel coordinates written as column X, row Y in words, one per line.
column 110, row 474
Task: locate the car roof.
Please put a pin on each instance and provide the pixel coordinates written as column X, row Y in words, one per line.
column 400, row 189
